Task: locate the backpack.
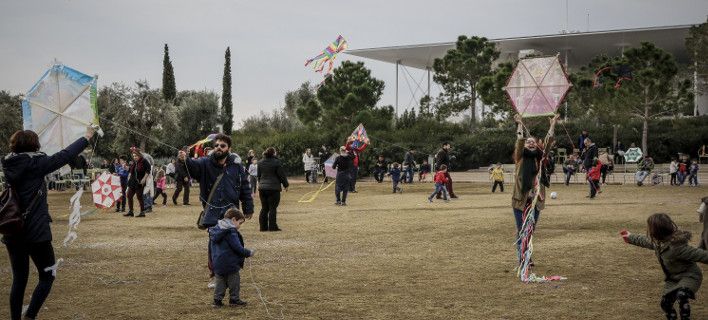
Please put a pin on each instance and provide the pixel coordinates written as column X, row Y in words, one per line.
column 12, row 217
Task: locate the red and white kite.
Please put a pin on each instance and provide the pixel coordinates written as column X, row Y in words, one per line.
column 106, row 190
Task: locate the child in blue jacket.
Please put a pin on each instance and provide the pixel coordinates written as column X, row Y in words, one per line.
column 395, row 174
column 228, row 255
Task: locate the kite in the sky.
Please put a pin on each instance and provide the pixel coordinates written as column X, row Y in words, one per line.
column 327, row 56
column 537, row 86
column 60, row 106
column 359, row 137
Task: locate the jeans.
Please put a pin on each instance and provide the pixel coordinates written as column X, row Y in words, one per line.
column 179, row 185
column 448, row 186
column 232, row 281
column 270, row 199
column 409, row 174
column 342, row 185
column 42, row 253
column 693, row 179
column 519, row 216
column 439, row 187
column 253, row 181
column 681, row 178
column 500, row 184
column 594, row 187
column 395, row 183
column 640, row 176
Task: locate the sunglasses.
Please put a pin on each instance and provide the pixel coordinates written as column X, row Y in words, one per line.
column 221, row 145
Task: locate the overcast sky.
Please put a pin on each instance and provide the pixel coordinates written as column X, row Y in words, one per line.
column 122, row 41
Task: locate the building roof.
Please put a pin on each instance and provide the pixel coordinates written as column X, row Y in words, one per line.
column 580, row 47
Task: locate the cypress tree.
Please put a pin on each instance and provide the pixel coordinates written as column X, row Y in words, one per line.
column 226, row 104
column 169, row 89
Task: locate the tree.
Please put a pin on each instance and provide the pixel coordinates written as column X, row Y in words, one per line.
column 197, row 115
column 459, row 72
column 299, row 98
column 113, row 100
column 697, row 45
column 226, row 103
column 654, row 89
column 491, row 89
column 349, row 91
column 145, row 120
column 169, row 89
column 11, row 120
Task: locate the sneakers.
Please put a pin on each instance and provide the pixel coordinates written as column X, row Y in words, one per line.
column 217, row 304
column 430, row 200
column 338, row 203
column 237, row 303
column 129, row 214
column 141, row 215
column 212, row 285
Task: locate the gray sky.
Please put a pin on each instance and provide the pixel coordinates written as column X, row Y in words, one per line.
column 122, row 41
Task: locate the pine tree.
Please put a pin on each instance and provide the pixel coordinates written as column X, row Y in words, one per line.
column 169, row 89
column 226, row 103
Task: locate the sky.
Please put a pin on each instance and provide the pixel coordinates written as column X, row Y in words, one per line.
column 122, row 41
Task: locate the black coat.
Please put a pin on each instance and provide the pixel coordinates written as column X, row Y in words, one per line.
column 343, row 163
column 180, row 171
column 590, row 155
column 25, row 173
column 271, row 175
column 442, row 157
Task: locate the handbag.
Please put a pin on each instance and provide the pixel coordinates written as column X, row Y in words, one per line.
column 200, row 219
column 12, row 218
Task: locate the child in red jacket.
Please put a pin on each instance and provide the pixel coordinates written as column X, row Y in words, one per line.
column 594, row 178
column 440, row 181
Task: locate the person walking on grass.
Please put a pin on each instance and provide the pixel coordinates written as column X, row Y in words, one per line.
column 122, row 170
column 673, row 169
column 271, row 177
column 443, row 158
column 355, row 151
column 440, row 182
column 693, row 174
column 682, row 277
column 228, row 254
column 25, row 168
column 424, row 171
column 395, row 174
column 308, row 161
column 380, row 169
column 408, row 165
column 160, row 185
column 343, row 164
column 593, row 177
column 138, row 174
column 497, row 176
column 182, row 181
column 253, row 175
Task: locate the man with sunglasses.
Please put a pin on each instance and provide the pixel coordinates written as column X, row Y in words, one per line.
column 223, row 182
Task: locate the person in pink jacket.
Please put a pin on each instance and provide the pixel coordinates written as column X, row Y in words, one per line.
column 160, row 181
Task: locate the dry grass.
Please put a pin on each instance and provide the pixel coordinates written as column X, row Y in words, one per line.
column 384, row 256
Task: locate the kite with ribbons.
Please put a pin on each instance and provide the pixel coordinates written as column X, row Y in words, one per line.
column 199, row 145
column 327, row 56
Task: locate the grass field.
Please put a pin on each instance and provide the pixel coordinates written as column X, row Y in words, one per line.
column 384, row 256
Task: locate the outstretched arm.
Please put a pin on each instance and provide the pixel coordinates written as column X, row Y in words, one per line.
column 637, row 240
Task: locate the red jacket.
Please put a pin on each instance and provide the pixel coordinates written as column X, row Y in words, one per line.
column 594, row 173
column 356, row 151
column 440, row 177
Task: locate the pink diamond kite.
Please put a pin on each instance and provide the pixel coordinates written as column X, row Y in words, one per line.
column 106, row 190
column 538, row 86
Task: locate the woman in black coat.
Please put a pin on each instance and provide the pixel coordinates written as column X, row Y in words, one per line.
column 270, row 178
column 25, row 168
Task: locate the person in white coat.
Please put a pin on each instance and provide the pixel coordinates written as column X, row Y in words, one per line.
column 308, row 161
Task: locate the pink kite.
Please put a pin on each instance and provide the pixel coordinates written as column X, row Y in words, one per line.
column 538, row 86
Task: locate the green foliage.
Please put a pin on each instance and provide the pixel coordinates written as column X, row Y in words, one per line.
column 697, row 45
column 491, row 89
column 197, row 115
column 459, row 72
column 350, row 90
column 299, row 98
column 169, row 88
column 11, row 119
column 269, row 123
column 226, row 103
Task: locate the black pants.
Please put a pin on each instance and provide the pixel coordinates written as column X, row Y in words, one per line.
column 270, row 199
column 594, row 187
column 42, row 254
column 352, row 178
column 500, row 184
column 379, row 174
column 673, row 179
column 604, row 169
column 308, row 174
column 179, row 184
column 341, row 186
column 136, row 191
column 158, row 192
column 123, row 198
column 682, row 295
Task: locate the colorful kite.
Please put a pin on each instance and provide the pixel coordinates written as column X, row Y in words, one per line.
column 106, row 190
column 327, row 56
column 199, row 145
column 359, row 137
column 60, row 106
column 537, row 86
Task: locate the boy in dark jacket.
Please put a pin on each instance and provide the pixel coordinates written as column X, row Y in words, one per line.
column 228, row 255
column 395, row 174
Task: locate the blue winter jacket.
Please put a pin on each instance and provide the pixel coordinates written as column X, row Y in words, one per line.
column 25, row 173
column 227, row 249
column 122, row 173
column 233, row 191
column 395, row 174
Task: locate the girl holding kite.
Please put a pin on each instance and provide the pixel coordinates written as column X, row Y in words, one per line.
column 528, row 155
